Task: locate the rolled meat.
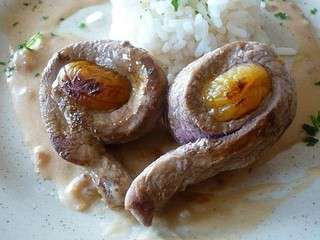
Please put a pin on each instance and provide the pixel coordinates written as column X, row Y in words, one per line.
column 97, row 93
column 225, row 109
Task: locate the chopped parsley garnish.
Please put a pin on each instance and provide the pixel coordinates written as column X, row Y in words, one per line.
column 15, row 24
column 281, row 15
column 313, row 11
column 311, row 141
column 37, row 74
column 45, row 18
column 30, row 44
column 316, row 121
column 312, row 130
column 175, row 4
column 52, row 34
column 82, row 25
column 317, row 83
column 3, row 63
column 9, row 71
column 62, row 19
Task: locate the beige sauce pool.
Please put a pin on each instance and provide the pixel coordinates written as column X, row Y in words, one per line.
column 219, row 205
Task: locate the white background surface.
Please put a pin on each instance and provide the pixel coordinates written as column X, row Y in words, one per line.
column 29, row 208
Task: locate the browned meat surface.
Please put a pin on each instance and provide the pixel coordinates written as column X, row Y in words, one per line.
column 97, row 93
column 218, row 132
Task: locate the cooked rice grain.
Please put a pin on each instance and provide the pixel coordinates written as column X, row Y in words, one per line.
column 175, row 38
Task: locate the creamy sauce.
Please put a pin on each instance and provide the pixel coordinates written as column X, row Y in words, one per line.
column 305, row 71
column 24, row 87
column 30, row 18
column 225, row 206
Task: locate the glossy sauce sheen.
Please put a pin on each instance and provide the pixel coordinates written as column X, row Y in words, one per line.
column 226, row 205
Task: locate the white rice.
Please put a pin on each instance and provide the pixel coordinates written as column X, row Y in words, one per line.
column 175, row 38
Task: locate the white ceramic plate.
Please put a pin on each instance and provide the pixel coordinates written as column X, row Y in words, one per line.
column 29, row 208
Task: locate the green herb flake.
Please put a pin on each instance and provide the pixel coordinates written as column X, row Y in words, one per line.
column 313, row 11
column 32, row 43
column 45, row 18
column 316, row 121
column 37, row 74
column 281, row 15
column 3, row 63
column 52, row 34
column 15, row 24
column 22, row 46
column 82, row 25
column 9, row 71
column 317, row 83
column 311, row 141
column 175, row 4
column 310, row 130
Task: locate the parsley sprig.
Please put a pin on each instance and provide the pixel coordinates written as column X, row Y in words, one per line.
column 31, row 43
column 312, row 130
column 82, row 25
column 314, row 11
column 7, row 66
column 281, row 15
column 175, row 4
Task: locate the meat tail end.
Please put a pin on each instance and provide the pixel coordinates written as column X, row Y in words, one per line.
column 140, row 207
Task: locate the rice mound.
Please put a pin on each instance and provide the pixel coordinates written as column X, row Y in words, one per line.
column 176, row 38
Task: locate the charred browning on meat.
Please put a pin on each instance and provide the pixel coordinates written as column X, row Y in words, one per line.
column 77, row 87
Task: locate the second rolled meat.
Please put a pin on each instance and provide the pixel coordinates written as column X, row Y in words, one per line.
column 225, row 109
